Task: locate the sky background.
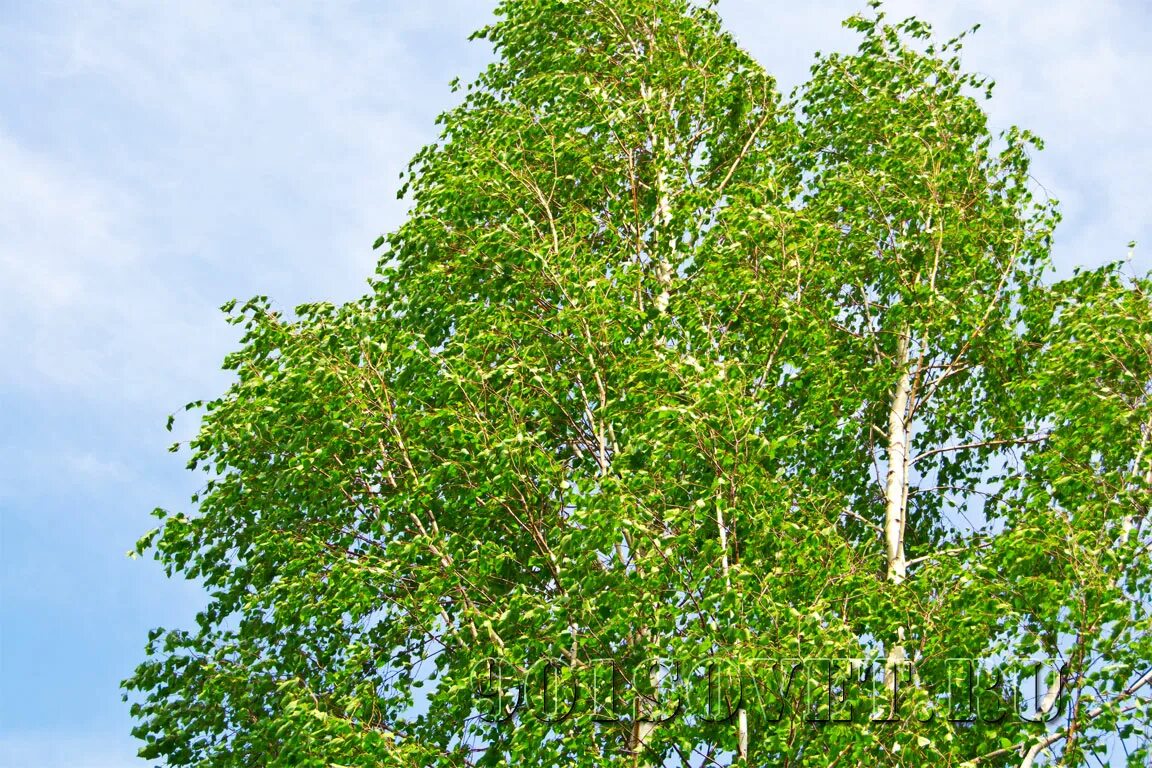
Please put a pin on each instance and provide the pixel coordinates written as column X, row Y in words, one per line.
column 160, row 158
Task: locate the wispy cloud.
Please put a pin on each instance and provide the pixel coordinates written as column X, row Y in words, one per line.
column 238, row 149
column 84, row 309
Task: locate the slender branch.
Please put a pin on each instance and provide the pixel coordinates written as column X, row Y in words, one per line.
column 980, row 444
column 1047, row 741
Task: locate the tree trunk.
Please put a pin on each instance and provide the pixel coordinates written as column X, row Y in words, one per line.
column 896, row 495
column 896, row 490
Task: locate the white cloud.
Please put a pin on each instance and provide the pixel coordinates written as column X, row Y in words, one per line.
column 97, row 468
column 205, row 151
column 83, row 310
column 278, row 104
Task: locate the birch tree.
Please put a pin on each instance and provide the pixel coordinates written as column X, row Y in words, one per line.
column 669, row 388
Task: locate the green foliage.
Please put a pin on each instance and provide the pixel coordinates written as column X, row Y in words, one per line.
column 622, row 389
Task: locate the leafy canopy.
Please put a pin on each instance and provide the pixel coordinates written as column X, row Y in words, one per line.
column 664, row 365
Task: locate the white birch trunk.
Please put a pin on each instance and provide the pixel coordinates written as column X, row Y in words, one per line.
column 896, row 494
column 741, row 712
column 642, row 726
column 896, row 489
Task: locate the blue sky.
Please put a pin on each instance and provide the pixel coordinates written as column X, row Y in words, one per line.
column 157, row 159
